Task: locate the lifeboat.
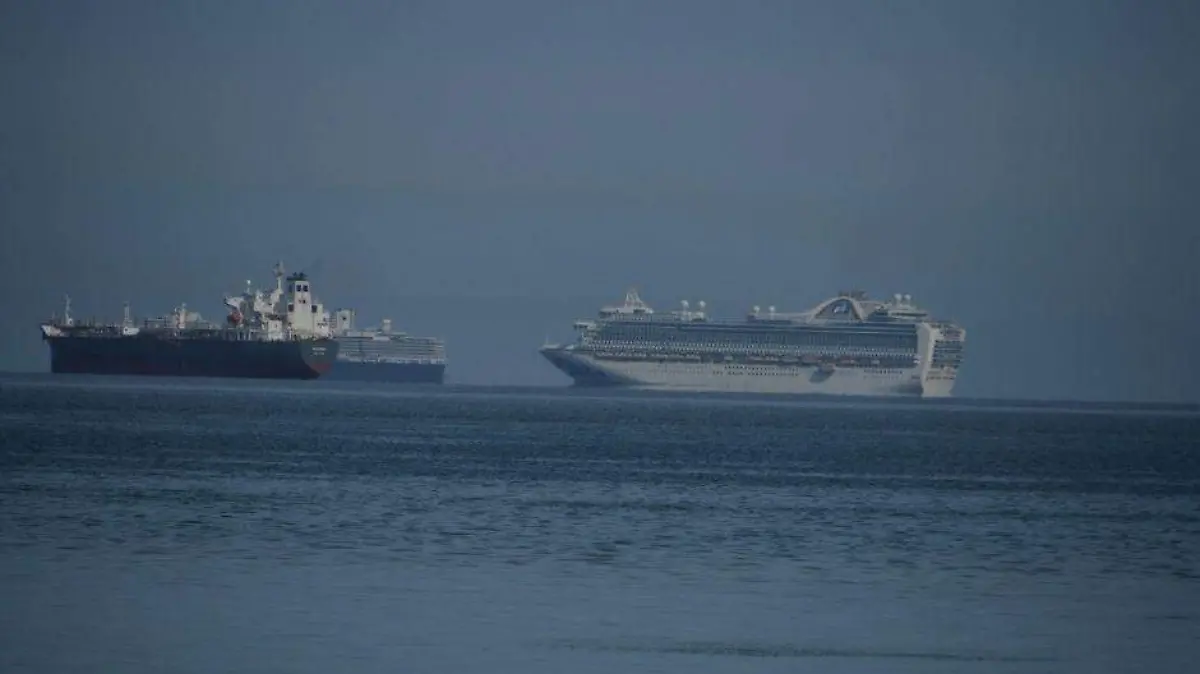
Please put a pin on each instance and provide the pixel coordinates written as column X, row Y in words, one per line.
column 234, row 318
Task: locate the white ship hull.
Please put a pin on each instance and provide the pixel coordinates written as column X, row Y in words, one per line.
column 587, row 370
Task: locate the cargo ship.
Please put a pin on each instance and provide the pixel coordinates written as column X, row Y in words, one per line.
column 283, row 333
column 381, row 354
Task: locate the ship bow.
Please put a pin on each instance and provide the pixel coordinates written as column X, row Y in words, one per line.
column 581, row 369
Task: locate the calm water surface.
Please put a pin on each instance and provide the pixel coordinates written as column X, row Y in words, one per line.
column 184, row 526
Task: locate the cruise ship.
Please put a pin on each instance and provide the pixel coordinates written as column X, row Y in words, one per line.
column 381, row 354
column 845, row 345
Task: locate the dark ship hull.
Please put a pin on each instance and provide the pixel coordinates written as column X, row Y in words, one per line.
column 148, row 354
column 402, row 373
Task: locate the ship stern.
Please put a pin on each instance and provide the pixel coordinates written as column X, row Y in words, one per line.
column 318, row 356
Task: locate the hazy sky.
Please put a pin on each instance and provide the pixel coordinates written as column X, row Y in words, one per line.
column 488, row 171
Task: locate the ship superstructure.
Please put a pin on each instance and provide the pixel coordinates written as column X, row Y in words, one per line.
column 281, row 333
column 845, row 345
column 381, row 353
column 289, row 311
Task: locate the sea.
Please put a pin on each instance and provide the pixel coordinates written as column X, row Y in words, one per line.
column 170, row 525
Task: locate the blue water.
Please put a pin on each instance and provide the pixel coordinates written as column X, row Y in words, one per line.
column 191, row 526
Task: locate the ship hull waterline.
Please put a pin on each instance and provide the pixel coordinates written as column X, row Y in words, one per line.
column 395, row 373
column 154, row 356
column 585, row 370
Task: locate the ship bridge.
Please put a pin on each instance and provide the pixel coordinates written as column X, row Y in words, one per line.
column 634, row 308
column 633, row 305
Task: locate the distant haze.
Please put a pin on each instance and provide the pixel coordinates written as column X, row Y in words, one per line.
column 489, row 171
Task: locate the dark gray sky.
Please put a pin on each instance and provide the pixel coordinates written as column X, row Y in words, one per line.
column 488, row 171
